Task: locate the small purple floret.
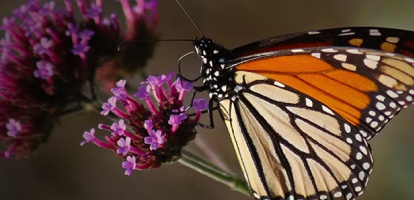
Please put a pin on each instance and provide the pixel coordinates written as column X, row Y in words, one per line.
column 177, row 119
column 129, row 165
column 148, row 125
column 107, row 107
column 13, row 128
column 43, row 46
column 80, row 48
column 44, row 69
column 200, row 104
column 124, row 146
column 143, row 92
column 94, row 11
column 88, row 136
column 118, row 128
column 86, row 35
column 156, row 80
column 154, row 139
column 183, row 85
column 119, row 91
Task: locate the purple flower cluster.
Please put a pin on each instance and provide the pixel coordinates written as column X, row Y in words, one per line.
column 152, row 135
column 46, row 56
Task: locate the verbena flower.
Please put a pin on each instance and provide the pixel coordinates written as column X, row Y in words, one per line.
column 153, row 130
column 47, row 55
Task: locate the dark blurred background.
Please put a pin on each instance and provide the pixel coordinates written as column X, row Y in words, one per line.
column 63, row 170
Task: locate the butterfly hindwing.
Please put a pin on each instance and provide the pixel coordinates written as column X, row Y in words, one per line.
column 290, row 145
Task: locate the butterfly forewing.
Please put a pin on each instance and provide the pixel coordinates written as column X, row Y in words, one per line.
column 365, row 87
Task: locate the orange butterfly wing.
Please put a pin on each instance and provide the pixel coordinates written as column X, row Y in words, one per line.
column 366, row 91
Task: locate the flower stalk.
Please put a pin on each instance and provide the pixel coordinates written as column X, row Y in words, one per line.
column 202, row 166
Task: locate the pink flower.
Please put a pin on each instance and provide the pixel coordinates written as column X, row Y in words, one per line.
column 157, row 128
column 47, row 56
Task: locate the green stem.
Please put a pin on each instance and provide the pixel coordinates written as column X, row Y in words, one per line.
column 200, row 165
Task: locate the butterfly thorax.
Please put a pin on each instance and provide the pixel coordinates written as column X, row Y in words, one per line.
column 217, row 76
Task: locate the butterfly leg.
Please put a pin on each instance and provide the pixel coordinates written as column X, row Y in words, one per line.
column 210, row 115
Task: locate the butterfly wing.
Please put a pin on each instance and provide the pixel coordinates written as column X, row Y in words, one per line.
column 365, row 87
column 301, row 118
column 385, row 39
column 292, row 147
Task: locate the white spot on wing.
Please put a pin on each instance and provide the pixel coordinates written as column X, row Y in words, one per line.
column 349, row 66
column 371, row 63
column 348, row 33
column 358, row 137
column 392, row 94
column 309, row 102
column 374, row 32
column 363, row 150
column 374, row 124
column 354, row 51
column 224, row 88
column 329, row 50
column 340, row 57
column 380, row 106
column 337, row 194
column 297, row 50
column 387, row 80
column 279, row 84
column 358, row 156
column 347, row 128
column 327, row 110
column 380, row 97
column 316, row 55
column 392, row 39
column 373, row 57
column 313, row 32
column 366, row 166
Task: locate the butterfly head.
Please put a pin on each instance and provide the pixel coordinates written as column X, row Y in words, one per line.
column 217, row 76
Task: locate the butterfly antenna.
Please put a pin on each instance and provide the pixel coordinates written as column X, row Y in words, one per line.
column 189, row 17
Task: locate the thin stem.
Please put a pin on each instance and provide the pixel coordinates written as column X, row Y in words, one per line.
column 200, row 165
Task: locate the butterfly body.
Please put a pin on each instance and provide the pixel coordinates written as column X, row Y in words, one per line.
column 214, row 70
column 300, row 110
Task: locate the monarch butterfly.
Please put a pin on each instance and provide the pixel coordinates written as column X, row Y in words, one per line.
column 300, row 108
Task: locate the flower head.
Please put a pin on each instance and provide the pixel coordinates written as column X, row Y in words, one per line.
column 151, row 131
column 47, row 56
